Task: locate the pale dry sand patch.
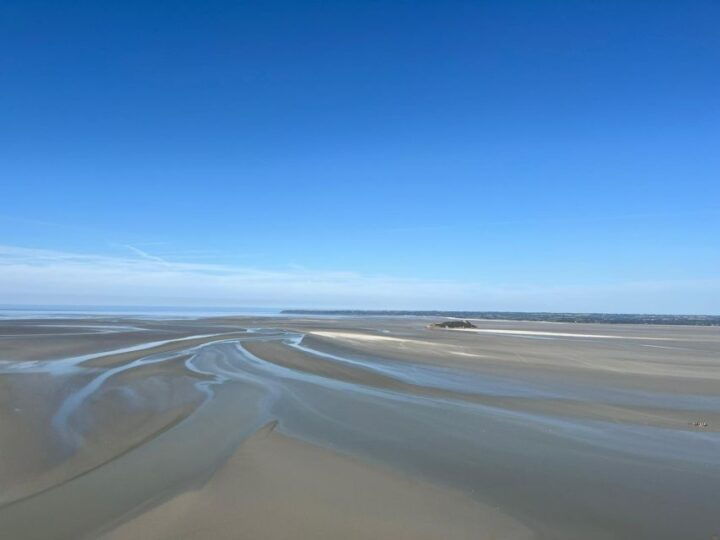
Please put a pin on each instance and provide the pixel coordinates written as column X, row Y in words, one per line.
column 368, row 337
column 553, row 334
column 352, row 336
column 473, row 355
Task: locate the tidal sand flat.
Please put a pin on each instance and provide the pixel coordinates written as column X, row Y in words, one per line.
column 357, row 427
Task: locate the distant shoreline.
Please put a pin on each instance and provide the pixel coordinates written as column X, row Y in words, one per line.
column 607, row 318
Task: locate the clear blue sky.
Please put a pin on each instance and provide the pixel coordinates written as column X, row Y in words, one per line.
column 407, row 154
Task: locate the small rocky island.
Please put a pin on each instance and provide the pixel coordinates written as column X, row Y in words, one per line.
column 453, row 324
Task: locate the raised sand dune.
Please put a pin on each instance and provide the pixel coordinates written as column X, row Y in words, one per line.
column 308, row 428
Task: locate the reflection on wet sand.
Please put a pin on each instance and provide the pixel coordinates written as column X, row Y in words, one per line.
column 356, row 427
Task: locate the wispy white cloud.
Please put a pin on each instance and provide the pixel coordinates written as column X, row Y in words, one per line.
column 46, row 276
column 144, row 254
column 35, row 275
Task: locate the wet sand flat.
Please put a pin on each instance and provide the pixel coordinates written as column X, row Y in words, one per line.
column 374, row 427
column 278, row 487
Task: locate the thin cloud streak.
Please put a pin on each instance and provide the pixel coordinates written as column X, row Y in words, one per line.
column 143, row 254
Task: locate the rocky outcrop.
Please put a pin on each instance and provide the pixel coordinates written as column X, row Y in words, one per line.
column 453, row 324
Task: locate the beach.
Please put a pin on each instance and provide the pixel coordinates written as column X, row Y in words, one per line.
column 310, row 427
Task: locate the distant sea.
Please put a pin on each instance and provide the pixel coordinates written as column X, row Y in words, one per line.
column 9, row 311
